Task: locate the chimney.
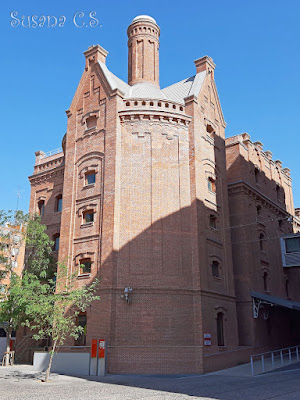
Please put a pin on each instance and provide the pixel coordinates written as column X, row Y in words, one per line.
column 143, row 50
column 205, row 64
column 94, row 54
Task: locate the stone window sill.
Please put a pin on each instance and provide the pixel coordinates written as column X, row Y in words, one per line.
column 217, row 278
column 84, row 276
column 222, row 348
column 89, row 186
column 87, row 224
column 93, row 128
column 211, row 191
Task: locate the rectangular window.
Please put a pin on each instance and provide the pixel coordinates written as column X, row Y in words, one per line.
column 215, row 269
column 292, row 245
column 58, row 206
column 56, row 243
column 211, row 185
column 81, row 321
column 220, row 330
column 90, row 178
column 85, row 266
column 41, row 207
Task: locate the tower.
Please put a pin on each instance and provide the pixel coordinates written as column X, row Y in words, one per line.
column 145, row 208
column 143, row 50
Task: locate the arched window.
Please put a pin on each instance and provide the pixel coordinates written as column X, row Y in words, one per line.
column 287, row 284
column 258, row 210
column 265, row 278
column 58, row 203
column 41, row 207
column 220, row 329
column 256, row 174
column 215, row 269
column 261, row 241
column 278, row 192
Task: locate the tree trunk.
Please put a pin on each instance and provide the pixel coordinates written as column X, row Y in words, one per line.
column 8, row 339
column 50, row 361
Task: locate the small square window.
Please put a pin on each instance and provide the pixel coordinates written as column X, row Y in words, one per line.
column 90, row 178
column 91, row 122
column 88, row 216
column 85, row 266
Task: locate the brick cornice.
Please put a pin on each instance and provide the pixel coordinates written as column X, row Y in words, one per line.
column 154, row 117
column 45, row 176
column 244, row 187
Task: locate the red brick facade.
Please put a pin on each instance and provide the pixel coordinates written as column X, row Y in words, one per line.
column 261, row 206
column 160, row 214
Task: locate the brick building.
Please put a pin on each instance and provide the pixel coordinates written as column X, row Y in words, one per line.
column 261, row 210
column 138, row 198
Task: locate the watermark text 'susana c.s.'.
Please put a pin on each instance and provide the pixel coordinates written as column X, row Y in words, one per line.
column 79, row 20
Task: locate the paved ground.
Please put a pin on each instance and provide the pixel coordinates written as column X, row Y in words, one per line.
column 21, row 382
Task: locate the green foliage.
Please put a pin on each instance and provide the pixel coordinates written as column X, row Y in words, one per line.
column 12, row 304
column 39, row 260
column 16, row 218
column 43, row 300
column 51, row 310
column 11, row 239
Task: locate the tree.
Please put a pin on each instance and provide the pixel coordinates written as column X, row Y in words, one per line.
column 46, row 302
column 11, row 242
column 11, row 310
column 39, row 259
column 17, row 230
column 51, row 309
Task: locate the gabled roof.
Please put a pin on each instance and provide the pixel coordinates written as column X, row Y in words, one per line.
column 176, row 92
column 187, row 87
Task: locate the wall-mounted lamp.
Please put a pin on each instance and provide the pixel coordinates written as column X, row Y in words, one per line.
column 125, row 296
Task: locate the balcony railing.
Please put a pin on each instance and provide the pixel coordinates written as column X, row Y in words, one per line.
column 52, row 152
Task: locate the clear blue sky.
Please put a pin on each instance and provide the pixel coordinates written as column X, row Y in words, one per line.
column 255, row 45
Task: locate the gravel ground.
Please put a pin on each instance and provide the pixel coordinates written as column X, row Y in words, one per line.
column 22, row 382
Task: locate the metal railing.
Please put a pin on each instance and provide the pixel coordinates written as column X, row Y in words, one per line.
column 52, row 152
column 270, row 360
